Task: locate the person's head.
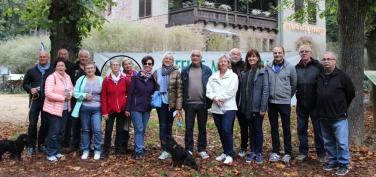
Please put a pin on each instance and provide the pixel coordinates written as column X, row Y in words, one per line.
column 329, row 60
column 235, row 55
column 278, row 54
column 223, row 63
column 253, row 59
column 83, row 56
column 60, row 65
column 196, row 57
column 43, row 57
column 148, row 63
column 127, row 64
column 305, row 52
column 63, row 53
column 168, row 59
column 115, row 66
column 90, row 68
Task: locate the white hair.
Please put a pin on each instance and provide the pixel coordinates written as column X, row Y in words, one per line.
column 168, row 55
column 305, row 47
column 196, row 50
column 85, row 52
column 233, row 50
column 334, row 55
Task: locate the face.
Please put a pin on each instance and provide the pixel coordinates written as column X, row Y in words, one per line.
column 167, row 61
column 84, row 57
column 223, row 64
column 305, row 53
column 63, row 53
column 328, row 61
column 278, row 54
column 89, row 70
column 252, row 60
column 115, row 67
column 235, row 55
column 60, row 67
column 43, row 58
column 127, row 65
column 148, row 65
column 196, row 57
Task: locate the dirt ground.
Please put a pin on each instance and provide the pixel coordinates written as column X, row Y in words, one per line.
column 13, row 108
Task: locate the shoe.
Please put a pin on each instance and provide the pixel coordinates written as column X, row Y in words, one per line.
column 322, row 158
column 342, row 170
column 259, row 159
column 250, row 157
column 330, row 167
column 301, row 157
column 59, row 156
column 85, row 154
column 286, row 158
column 120, row 152
column 30, row 151
column 138, row 156
column 51, row 158
column 221, row 157
column 228, row 160
column 97, row 155
column 42, row 149
column 104, row 155
column 274, row 157
column 164, row 155
column 241, row 153
column 190, row 152
column 204, row 155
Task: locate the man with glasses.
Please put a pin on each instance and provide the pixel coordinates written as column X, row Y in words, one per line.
column 307, row 70
column 195, row 103
column 335, row 92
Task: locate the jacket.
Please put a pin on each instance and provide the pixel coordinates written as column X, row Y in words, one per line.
column 139, row 94
column 223, row 89
column 282, row 85
column 80, row 95
column 78, row 72
column 260, row 93
column 175, row 88
column 113, row 96
column 33, row 78
column 206, row 73
column 55, row 94
column 238, row 68
column 334, row 95
column 128, row 77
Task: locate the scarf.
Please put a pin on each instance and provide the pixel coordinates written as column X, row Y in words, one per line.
column 43, row 69
column 304, row 62
column 277, row 67
column 146, row 75
column 166, row 70
column 115, row 78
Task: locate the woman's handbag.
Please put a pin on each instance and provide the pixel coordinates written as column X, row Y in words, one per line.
column 156, row 99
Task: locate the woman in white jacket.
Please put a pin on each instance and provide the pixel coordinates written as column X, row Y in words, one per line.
column 221, row 89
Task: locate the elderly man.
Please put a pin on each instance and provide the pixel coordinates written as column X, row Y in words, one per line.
column 195, row 103
column 335, row 92
column 33, row 83
column 307, row 70
column 83, row 58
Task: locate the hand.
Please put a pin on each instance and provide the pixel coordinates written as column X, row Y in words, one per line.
column 105, row 117
column 178, row 115
column 89, row 97
column 68, row 96
column 262, row 113
column 127, row 114
column 33, row 91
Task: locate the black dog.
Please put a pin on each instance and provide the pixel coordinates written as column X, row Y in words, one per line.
column 15, row 148
column 179, row 155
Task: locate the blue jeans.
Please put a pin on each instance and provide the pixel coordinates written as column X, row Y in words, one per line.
column 55, row 132
column 191, row 111
column 166, row 120
column 35, row 109
column 225, row 124
column 91, row 119
column 302, row 121
column 140, row 123
column 256, row 135
column 284, row 110
column 336, row 140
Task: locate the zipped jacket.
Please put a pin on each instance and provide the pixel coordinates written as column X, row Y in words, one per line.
column 114, row 95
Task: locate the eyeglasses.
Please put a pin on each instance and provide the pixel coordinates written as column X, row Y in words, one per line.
column 304, row 51
column 148, row 64
column 327, row 59
column 196, row 55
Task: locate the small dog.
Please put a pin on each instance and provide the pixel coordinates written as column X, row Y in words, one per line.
column 15, row 147
column 180, row 156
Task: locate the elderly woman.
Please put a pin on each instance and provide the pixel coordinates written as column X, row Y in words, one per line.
column 221, row 89
column 254, row 94
column 58, row 92
column 113, row 99
column 88, row 107
column 138, row 105
column 128, row 70
column 169, row 84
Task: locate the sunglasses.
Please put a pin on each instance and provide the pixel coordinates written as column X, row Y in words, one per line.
column 148, row 64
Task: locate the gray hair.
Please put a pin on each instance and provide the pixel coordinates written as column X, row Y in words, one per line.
column 305, row 47
column 226, row 58
column 85, row 52
column 196, row 50
column 168, row 55
column 113, row 61
column 333, row 54
column 126, row 59
column 235, row 49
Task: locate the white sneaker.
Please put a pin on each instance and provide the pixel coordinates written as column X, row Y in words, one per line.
column 204, row 155
column 228, row 160
column 85, row 154
column 190, row 152
column 164, row 155
column 274, row 157
column 242, row 153
column 97, row 155
column 59, row 156
column 51, row 158
column 286, row 158
column 221, row 157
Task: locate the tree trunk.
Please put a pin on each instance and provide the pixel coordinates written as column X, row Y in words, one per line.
column 351, row 28
column 371, row 55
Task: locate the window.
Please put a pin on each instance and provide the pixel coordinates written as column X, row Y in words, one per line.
column 145, row 8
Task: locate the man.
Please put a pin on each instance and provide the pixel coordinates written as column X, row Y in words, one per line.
column 79, row 67
column 335, row 92
column 237, row 65
column 195, row 77
column 282, row 84
column 33, row 84
column 307, row 70
column 63, row 53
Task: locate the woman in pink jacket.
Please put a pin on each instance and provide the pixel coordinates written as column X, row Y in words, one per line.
column 58, row 91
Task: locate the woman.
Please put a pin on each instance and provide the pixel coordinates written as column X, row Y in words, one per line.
column 169, row 84
column 113, row 99
column 128, row 70
column 254, row 94
column 221, row 89
column 88, row 107
column 138, row 105
column 58, row 92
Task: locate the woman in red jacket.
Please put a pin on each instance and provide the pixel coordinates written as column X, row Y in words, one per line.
column 113, row 99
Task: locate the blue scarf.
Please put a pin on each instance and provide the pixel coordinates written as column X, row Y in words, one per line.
column 43, row 69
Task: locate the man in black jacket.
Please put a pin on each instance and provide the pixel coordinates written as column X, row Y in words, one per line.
column 335, row 92
column 33, row 83
column 308, row 70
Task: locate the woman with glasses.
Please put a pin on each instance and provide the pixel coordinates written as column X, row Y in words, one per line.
column 138, row 104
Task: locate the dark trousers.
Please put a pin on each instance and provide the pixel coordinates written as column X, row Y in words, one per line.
column 256, row 136
column 56, row 129
column 36, row 107
column 303, row 115
column 244, row 130
column 122, row 136
column 284, row 110
column 191, row 111
column 225, row 124
column 166, row 120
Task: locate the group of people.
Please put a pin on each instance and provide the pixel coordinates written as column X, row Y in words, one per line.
column 73, row 99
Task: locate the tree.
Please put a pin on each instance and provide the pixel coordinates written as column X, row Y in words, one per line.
column 10, row 23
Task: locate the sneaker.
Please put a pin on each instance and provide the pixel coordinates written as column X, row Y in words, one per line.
column 85, row 154
column 330, row 167
column 104, row 155
column 97, row 155
column 221, row 157
column 250, row 157
column 301, row 157
column 190, row 152
column 241, row 153
column 286, row 158
column 59, row 156
column 30, row 151
column 42, row 149
column 138, row 156
column 164, row 155
column 259, row 159
column 342, row 170
column 204, row 155
column 322, row 158
column 228, row 160
column 51, row 158
column 274, row 157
